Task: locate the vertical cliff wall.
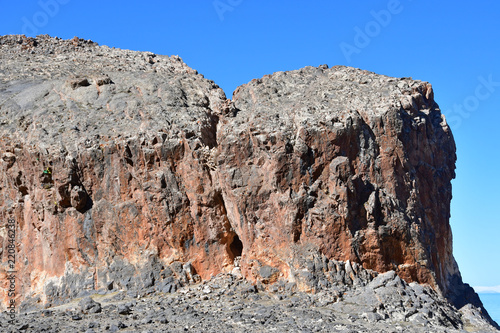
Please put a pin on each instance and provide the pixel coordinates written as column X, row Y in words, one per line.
column 106, row 166
column 355, row 163
column 119, row 166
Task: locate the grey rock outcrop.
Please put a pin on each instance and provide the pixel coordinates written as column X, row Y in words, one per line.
column 130, row 172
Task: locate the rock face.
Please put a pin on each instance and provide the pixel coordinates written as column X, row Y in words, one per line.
column 107, row 166
column 123, row 169
column 355, row 163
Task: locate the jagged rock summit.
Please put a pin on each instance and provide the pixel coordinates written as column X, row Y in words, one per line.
column 129, row 170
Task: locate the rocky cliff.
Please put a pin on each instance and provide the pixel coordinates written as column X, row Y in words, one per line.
column 123, row 169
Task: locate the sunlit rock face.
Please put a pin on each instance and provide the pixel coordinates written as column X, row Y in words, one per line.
column 123, row 169
column 356, row 164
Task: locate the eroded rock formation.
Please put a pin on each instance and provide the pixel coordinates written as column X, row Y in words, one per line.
column 356, row 163
column 123, row 169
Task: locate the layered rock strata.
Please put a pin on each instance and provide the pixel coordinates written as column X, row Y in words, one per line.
column 119, row 167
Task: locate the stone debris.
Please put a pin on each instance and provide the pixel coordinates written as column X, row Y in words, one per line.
column 226, row 303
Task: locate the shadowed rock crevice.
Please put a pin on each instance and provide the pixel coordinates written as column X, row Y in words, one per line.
column 235, row 247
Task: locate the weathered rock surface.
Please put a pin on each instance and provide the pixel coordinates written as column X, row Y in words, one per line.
column 106, row 166
column 355, row 163
column 130, row 171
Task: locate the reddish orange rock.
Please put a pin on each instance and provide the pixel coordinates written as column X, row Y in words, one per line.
column 357, row 164
column 122, row 168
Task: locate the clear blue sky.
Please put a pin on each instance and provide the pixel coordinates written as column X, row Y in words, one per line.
column 453, row 45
